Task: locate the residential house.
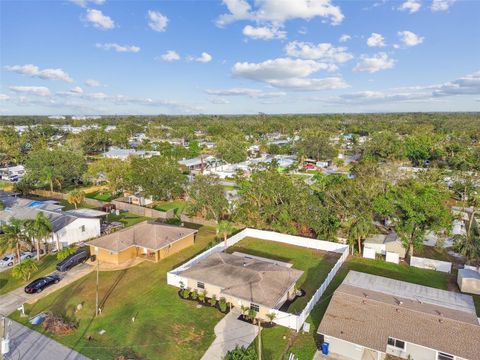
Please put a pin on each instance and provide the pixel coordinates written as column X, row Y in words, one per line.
column 137, row 198
column 370, row 317
column 382, row 244
column 123, row 154
column 199, row 163
column 68, row 228
column 12, row 173
column 257, row 283
column 149, row 240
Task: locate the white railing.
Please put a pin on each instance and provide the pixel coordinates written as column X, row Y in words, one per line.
column 437, row 265
column 282, row 318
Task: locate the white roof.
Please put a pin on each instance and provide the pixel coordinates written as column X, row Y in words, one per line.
column 84, row 212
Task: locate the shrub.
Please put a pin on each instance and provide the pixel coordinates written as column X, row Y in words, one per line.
column 185, row 293
column 66, row 251
column 213, row 300
column 252, row 314
column 223, row 304
column 24, row 270
column 194, row 294
column 202, row 296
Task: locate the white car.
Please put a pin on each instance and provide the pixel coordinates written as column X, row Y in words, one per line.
column 9, row 259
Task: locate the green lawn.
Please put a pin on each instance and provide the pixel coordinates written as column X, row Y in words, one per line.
column 165, row 327
column 101, row 195
column 177, row 205
column 432, row 252
column 127, row 218
column 8, row 282
column 68, row 206
column 303, row 345
column 315, row 264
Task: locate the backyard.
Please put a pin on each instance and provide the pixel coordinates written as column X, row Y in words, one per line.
column 102, row 195
column 278, row 341
column 8, row 282
column 177, row 205
column 316, row 264
column 127, row 218
column 165, row 327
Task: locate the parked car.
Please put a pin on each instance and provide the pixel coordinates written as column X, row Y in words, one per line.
column 10, row 259
column 70, row 261
column 39, row 284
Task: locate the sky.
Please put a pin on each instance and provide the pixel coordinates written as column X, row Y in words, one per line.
column 101, row 57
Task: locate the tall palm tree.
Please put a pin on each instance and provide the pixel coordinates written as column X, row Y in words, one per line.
column 42, row 230
column 13, row 236
column 359, row 230
column 468, row 245
column 225, row 228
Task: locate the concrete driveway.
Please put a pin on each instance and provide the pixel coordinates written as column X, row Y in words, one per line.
column 11, row 301
column 230, row 332
column 26, row 344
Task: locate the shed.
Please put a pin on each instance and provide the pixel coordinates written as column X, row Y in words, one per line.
column 468, row 281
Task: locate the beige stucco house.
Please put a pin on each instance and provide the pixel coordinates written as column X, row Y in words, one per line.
column 259, row 284
column 149, row 240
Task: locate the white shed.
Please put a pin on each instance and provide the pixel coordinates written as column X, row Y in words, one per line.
column 469, row 281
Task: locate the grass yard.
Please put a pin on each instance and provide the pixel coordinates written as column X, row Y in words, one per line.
column 165, row 327
column 8, row 282
column 127, row 218
column 432, row 252
column 315, row 264
column 275, row 347
column 177, row 205
column 101, row 195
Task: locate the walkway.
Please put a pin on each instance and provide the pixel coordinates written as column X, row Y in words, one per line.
column 13, row 300
column 26, row 344
column 230, row 332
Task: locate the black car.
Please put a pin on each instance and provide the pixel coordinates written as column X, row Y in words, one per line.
column 70, row 261
column 39, row 284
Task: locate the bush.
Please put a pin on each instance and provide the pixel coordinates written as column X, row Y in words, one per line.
column 194, row 294
column 185, row 293
column 66, row 251
column 223, row 304
column 213, row 300
column 252, row 314
column 202, row 296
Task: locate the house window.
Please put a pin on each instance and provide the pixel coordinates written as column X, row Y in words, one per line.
column 254, row 307
column 443, row 356
column 399, row 344
column 200, row 285
column 82, row 228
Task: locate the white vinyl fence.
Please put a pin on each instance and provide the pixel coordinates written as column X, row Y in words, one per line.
column 283, row 318
column 437, row 265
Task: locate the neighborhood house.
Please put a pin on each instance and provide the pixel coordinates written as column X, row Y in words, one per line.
column 382, row 244
column 148, row 240
column 257, row 283
column 370, row 317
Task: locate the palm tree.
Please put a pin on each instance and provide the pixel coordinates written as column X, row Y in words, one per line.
column 225, row 228
column 468, row 245
column 24, row 270
column 359, row 230
column 75, row 197
column 13, row 236
column 42, row 230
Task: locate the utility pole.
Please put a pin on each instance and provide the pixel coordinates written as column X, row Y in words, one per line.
column 259, row 340
column 96, row 297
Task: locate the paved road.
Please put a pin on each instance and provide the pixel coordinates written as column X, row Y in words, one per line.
column 230, row 332
column 11, row 301
column 26, row 344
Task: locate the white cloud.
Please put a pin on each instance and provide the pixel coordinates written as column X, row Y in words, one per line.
column 4, row 97
column 203, row 58
column 84, row 3
column 118, row 48
column 253, row 93
column 412, row 6
column 98, row 20
column 376, row 40
column 345, row 38
column 35, row 71
column 264, row 32
column 289, row 74
column 322, row 51
column 279, row 11
column 170, row 55
column 33, row 90
column 409, row 38
column 374, row 63
column 219, row 101
column 469, row 84
column 157, row 21
column 93, row 83
column 441, row 5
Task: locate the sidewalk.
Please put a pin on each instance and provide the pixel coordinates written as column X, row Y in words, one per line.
column 230, row 332
column 13, row 300
column 26, row 344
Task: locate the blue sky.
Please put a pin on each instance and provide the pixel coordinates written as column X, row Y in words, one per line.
column 238, row 56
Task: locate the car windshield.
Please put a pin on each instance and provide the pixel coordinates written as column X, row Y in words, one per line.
column 6, row 258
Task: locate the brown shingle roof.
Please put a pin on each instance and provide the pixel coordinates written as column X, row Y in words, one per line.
column 368, row 317
column 254, row 280
column 150, row 235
